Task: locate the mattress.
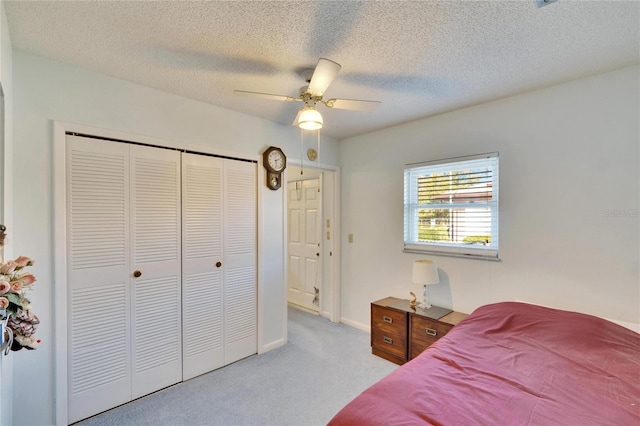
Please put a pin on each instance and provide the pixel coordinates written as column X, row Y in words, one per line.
column 512, row 363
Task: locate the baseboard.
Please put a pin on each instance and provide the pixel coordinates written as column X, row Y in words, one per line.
column 272, row 345
column 302, row 308
column 355, row 324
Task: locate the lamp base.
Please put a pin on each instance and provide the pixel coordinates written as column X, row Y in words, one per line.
column 425, row 299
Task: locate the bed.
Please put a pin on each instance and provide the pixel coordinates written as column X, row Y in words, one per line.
column 512, row 363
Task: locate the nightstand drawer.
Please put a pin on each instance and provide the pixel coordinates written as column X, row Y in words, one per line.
column 424, row 332
column 389, row 320
column 394, row 343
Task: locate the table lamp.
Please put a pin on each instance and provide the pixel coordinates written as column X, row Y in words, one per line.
column 425, row 272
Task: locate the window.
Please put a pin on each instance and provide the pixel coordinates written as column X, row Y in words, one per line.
column 451, row 206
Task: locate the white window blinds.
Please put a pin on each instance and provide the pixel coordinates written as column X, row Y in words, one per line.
column 451, row 206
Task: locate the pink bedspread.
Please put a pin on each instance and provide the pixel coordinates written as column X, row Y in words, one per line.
column 512, row 364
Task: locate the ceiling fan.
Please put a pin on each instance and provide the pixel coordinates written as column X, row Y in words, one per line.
column 318, row 80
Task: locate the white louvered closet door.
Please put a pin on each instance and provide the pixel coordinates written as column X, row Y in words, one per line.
column 98, row 269
column 156, row 321
column 203, row 348
column 161, row 269
column 240, row 260
column 123, row 214
column 219, row 262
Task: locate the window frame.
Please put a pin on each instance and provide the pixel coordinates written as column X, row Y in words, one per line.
column 411, row 208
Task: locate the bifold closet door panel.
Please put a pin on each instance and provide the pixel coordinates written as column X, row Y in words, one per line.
column 202, row 289
column 156, row 318
column 240, row 260
column 98, row 271
column 123, row 216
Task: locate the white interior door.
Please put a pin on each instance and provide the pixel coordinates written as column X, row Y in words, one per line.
column 203, row 342
column 123, row 214
column 305, row 226
column 219, row 262
column 98, row 271
column 156, row 317
column 240, row 260
column 126, row 204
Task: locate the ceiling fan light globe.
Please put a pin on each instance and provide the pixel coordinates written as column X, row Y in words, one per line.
column 310, row 125
column 310, row 119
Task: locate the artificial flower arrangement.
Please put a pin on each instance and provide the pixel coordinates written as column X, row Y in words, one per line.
column 14, row 283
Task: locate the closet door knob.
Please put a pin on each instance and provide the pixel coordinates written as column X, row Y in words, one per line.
column 137, row 273
column 218, row 264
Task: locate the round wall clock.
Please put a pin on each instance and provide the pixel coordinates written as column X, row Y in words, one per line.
column 274, row 160
column 312, row 154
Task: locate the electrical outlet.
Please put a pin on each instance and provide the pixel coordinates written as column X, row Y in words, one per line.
column 350, row 238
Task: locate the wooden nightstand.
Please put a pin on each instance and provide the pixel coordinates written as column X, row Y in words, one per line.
column 389, row 327
column 400, row 333
column 424, row 331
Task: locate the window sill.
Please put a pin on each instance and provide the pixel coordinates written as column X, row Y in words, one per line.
column 490, row 257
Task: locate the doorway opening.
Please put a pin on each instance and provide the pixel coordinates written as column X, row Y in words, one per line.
column 312, row 228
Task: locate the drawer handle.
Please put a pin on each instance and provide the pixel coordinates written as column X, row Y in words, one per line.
column 387, row 340
column 387, row 319
column 431, row 332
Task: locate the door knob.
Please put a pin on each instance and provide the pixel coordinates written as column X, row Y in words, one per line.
column 137, row 273
column 218, row 264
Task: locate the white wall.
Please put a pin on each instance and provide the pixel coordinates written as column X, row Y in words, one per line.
column 6, row 362
column 46, row 91
column 568, row 155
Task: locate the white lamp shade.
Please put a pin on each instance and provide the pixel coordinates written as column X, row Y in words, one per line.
column 310, row 119
column 425, row 272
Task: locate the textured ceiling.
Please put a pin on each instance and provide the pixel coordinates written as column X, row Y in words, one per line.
column 418, row 58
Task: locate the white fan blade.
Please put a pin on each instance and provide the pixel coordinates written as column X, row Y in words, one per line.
column 322, row 77
column 266, row 96
column 352, row 104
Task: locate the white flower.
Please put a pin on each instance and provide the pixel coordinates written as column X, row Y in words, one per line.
column 29, row 342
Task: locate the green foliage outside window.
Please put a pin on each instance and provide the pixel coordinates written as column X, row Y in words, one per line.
column 433, row 233
column 485, row 239
column 434, row 224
